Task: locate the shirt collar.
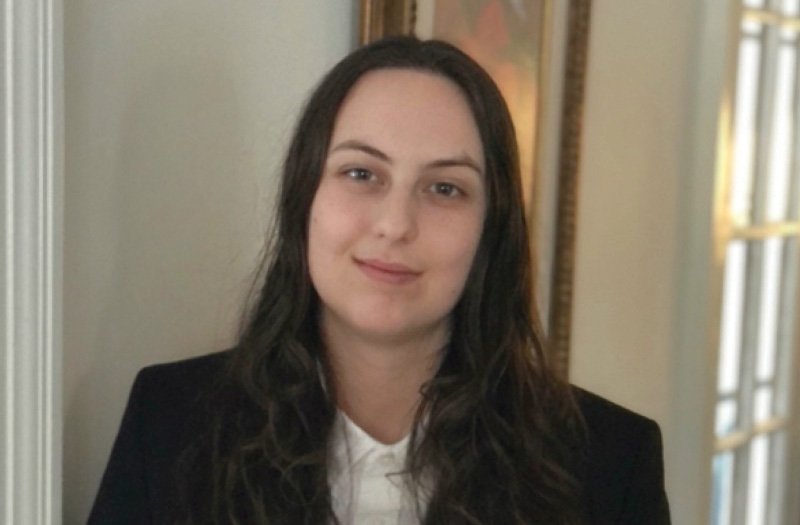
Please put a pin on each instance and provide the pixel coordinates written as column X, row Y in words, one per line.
column 351, row 444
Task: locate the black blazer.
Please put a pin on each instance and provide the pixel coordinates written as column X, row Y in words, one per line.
column 623, row 476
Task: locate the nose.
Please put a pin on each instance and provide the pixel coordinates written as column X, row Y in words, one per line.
column 396, row 216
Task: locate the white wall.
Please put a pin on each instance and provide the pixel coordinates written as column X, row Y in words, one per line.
column 177, row 115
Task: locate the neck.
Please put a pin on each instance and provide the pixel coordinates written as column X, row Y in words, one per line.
column 378, row 384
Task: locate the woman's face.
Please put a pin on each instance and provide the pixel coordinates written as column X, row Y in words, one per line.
column 399, row 211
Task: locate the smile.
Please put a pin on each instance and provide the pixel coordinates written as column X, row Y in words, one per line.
column 387, row 273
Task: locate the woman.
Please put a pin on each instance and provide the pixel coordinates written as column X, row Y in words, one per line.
column 390, row 370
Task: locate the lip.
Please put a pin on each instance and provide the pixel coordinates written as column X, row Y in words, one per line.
column 387, row 272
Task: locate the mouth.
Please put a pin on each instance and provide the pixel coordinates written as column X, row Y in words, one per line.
column 386, row 272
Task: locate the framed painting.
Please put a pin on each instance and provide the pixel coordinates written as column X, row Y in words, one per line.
column 536, row 52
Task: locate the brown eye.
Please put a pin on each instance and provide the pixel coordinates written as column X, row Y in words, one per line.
column 446, row 189
column 359, row 174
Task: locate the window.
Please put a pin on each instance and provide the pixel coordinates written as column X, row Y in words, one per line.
column 758, row 340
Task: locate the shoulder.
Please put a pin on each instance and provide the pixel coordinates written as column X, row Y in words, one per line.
column 180, row 375
column 164, row 415
column 609, row 423
column 171, row 398
column 623, row 463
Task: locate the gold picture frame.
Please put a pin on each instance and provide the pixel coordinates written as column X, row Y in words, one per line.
column 549, row 39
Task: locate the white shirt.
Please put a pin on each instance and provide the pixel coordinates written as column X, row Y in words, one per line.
column 367, row 487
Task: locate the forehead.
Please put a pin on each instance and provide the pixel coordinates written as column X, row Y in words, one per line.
column 406, row 107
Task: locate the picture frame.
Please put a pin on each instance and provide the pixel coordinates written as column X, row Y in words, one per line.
column 536, row 50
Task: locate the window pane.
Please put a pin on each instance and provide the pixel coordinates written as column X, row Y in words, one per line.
column 788, row 35
column 791, row 7
column 745, row 122
column 732, row 307
column 726, row 417
column 721, row 495
column 752, row 28
column 762, row 404
column 770, row 303
column 782, row 135
column 757, row 490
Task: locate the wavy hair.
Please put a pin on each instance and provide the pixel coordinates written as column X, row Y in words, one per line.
column 500, row 429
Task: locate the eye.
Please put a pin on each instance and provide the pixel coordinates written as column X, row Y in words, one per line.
column 359, row 174
column 445, row 189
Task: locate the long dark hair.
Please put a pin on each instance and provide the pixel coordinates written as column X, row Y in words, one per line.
column 499, row 427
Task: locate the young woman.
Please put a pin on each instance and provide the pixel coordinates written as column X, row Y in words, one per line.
column 390, row 370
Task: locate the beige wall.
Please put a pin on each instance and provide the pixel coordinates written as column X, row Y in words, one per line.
column 627, row 228
column 642, row 296
column 177, row 114
column 631, row 169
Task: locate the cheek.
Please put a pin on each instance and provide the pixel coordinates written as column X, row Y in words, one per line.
column 457, row 236
column 321, row 237
column 332, row 225
column 458, row 250
column 323, row 246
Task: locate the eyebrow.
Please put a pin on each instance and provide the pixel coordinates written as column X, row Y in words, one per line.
column 451, row 162
column 358, row 145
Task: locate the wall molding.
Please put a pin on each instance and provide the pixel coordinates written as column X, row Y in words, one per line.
column 30, row 266
column 699, row 271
